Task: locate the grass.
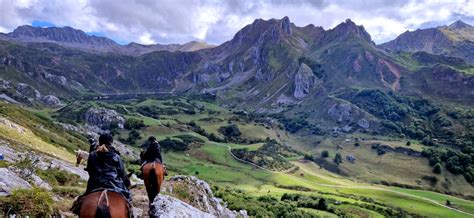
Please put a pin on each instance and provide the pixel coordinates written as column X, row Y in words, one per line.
column 22, row 136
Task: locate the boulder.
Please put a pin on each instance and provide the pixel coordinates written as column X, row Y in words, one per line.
column 27, row 91
column 51, row 101
column 166, row 206
column 103, row 118
column 10, row 181
column 304, row 81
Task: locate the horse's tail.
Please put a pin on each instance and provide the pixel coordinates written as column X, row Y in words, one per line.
column 153, row 183
column 102, row 211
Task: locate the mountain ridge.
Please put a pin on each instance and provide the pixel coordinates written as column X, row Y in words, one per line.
column 78, row 39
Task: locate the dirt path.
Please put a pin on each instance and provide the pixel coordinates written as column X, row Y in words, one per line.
column 347, row 186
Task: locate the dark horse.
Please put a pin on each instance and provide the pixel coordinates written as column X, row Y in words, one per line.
column 153, row 176
column 106, row 204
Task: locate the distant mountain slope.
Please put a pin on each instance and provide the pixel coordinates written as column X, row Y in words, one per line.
column 455, row 40
column 78, row 39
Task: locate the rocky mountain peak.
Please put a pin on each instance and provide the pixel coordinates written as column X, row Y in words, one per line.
column 349, row 29
column 275, row 29
column 459, row 25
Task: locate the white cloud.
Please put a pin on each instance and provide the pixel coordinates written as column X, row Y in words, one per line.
column 146, row 39
column 215, row 21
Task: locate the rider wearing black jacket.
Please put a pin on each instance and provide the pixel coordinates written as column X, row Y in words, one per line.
column 106, row 169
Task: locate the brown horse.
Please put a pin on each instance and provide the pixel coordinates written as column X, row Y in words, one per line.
column 104, row 204
column 153, row 176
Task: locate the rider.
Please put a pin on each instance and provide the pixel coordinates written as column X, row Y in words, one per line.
column 152, row 153
column 106, row 171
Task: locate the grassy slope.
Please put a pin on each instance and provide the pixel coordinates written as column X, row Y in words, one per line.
column 212, row 162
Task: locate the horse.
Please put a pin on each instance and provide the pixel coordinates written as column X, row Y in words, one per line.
column 81, row 155
column 106, row 204
column 153, row 176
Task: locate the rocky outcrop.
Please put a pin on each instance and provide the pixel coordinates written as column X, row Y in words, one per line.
column 340, row 111
column 103, row 118
column 304, row 81
column 28, row 91
column 51, row 101
column 10, row 181
column 167, row 206
column 199, row 201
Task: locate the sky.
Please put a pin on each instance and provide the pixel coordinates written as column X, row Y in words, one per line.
column 216, row 21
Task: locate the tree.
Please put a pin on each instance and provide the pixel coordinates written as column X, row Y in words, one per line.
column 325, row 154
column 322, row 205
column 408, row 143
column 338, row 158
column 308, row 157
column 357, row 144
column 437, row 168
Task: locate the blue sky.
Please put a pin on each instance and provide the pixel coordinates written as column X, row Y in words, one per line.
column 216, row 21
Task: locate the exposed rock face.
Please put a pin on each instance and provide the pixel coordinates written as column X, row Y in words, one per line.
column 340, row 111
column 60, row 80
column 103, row 118
column 51, row 101
column 28, row 91
column 363, row 123
column 199, row 203
column 304, row 81
column 166, row 206
column 9, row 181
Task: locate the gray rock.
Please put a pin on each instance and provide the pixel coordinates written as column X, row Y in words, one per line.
column 202, row 197
column 304, row 81
column 60, row 80
column 340, row 111
column 10, row 181
column 27, row 91
column 51, row 101
column 103, row 118
column 166, row 206
column 363, row 123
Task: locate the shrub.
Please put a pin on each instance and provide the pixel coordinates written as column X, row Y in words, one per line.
column 325, row 154
column 408, row 143
column 134, row 123
column 437, row 168
column 32, row 202
column 338, row 158
column 357, row 144
column 55, row 176
column 230, row 131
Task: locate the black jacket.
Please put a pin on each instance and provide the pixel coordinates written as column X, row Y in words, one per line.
column 106, row 171
column 153, row 153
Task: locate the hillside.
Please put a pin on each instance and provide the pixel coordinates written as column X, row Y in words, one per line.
column 190, row 149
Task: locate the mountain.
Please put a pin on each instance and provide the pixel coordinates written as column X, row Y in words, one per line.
column 78, row 39
column 269, row 66
column 455, row 40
